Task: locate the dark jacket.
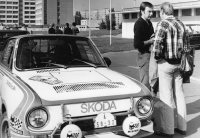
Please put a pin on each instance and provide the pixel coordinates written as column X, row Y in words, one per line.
column 67, row 30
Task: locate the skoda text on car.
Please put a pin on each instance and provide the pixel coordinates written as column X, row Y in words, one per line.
column 59, row 86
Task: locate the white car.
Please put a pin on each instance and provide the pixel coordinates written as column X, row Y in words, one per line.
column 59, row 86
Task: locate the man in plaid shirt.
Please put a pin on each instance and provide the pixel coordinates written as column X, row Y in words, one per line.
column 168, row 45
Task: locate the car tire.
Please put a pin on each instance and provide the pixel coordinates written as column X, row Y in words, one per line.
column 4, row 126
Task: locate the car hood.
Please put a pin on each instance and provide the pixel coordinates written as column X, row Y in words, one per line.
column 81, row 85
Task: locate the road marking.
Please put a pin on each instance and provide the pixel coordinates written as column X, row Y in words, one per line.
column 195, row 79
column 134, row 67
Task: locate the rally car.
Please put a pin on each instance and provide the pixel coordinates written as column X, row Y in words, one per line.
column 59, row 86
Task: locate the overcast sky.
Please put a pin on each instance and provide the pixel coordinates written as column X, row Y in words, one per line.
column 80, row 5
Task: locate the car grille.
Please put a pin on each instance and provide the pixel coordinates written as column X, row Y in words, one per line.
column 88, row 86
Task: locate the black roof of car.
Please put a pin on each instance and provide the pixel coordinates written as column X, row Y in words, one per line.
column 6, row 31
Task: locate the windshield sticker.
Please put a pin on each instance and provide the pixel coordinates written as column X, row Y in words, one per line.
column 10, row 85
column 16, row 125
column 46, row 79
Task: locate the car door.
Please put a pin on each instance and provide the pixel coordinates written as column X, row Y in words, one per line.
column 6, row 54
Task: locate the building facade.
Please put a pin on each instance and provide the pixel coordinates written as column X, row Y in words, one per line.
column 188, row 12
column 36, row 12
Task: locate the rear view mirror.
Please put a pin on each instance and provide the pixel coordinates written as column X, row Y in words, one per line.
column 108, row 61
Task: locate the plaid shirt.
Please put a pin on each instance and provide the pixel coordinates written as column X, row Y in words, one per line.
column 169, row 37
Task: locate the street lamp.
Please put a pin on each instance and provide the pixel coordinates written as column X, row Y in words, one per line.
column 110, row 23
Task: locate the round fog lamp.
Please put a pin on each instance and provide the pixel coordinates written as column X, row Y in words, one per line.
column 38, row 118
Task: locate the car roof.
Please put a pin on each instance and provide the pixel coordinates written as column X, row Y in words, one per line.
column 46, row 35
column 7, row 31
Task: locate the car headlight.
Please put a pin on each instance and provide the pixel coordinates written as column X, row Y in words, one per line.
column 144, row 106
column 37, row 118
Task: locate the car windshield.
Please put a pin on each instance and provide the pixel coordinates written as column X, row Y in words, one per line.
column 57, row 51
column 193, row 28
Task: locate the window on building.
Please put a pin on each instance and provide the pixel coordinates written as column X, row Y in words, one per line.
column 9, row 12
column 2, row 11
column 197, row 11
column 126, row 16
column 9, row 16
column 32, row 3
column 154, row 14
column 9, row 7
column 9, row 21
column 26, row 3
column 134, row 15
column 15, row 3
column 26, row 21
column 26, row 8
column 15, row 7
column 15, row 21
column 2, row 7
column 2, row 21
column 186, row 12
column 26, row 17
column 32, row 8
column 32, row 21
column 32, row 17
column 176, row 13
column 2, row 2
column 14, row 16
column 2, row 16
column 26, row 12
column 15, row 12
column 9, row 2
column 32, row 12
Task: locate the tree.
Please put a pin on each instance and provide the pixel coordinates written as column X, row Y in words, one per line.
column 108, row 20
column 78, row 18
column 102, row 25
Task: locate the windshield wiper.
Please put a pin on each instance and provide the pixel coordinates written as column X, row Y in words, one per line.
column 59, row 65
column 90, row 64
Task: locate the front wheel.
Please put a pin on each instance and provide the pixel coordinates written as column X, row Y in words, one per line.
column 4, row 126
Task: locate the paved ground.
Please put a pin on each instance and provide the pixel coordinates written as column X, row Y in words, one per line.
column 125, row 62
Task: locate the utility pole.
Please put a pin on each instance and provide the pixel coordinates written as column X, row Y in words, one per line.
column 110, row 23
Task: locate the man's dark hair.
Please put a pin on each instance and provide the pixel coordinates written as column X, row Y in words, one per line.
column 67, row 24
column 143, row 5
column 74, row 24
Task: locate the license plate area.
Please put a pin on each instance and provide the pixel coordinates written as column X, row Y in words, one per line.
column 104, row 120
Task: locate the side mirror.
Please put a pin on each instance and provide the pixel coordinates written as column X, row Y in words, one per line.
column 108, row 61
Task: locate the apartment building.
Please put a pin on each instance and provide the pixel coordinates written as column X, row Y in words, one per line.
column 36, row 12
column 9, row 11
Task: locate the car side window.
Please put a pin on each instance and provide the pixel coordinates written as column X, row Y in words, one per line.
column 8, row 53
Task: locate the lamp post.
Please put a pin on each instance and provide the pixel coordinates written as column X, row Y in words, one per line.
column 89, row 21
column 110, row 23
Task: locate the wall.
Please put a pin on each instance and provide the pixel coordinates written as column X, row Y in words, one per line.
column 66, row 11
column 51, row 11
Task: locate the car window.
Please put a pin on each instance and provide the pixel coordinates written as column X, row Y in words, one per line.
column 8, row 53
column 51, row 52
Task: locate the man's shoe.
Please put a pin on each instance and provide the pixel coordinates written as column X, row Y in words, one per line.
column 159, row 133
column 180, row 131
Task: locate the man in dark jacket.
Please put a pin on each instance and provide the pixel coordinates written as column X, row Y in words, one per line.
column 52, row 29
column 143, row 29
column 67, row 30
column 58, row 30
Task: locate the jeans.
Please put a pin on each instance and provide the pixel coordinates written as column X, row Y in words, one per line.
column 143, row 63
column 171, row 91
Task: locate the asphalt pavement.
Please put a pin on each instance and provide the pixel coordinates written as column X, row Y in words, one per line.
column 125, row 62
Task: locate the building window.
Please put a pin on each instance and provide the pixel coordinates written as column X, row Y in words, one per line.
column 134, row 15
column 32, row 8
column 2, row 11
column 15, row 7
column 9, row 12
column 9, row 21
column 26, row 17
column 32, row 17
column 2, row 7
column 9, row 16
column 2, row 2
column 9, row 2
column 154, row 14
column 32, row 21
column 2, row 16
column 15, row 21
column 176, row 13
column 15, row 12
column 26, row 12
column 15, row 16
column 126, row 16
column 186, row 12
column 26, row 21
column 15, row 3
column 26, row 7
column 32, row 12
column 197, row 12
column 32, row 3
column 26, row 3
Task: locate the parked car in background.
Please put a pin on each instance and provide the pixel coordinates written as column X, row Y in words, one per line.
column 59, row 86
column 5, row 34
column 194, row 31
